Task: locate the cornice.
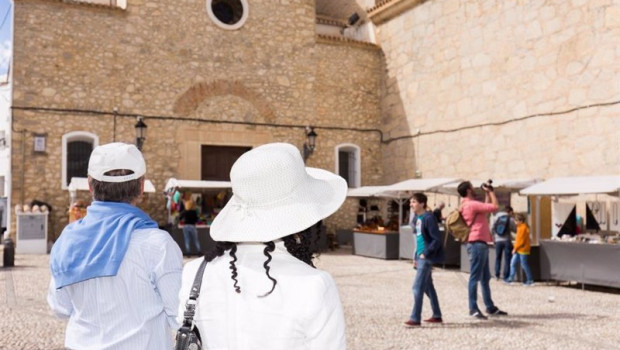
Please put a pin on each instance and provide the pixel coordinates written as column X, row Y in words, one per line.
column 330, row 21
column 388, row 9
column 328, row 39
column 111, row 6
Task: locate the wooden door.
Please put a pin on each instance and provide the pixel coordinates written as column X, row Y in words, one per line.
column 216, row 161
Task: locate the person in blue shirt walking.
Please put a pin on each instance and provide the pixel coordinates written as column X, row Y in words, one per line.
column 429, row 250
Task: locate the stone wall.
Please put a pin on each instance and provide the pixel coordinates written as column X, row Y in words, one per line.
column 485, row 84
column 193, row 82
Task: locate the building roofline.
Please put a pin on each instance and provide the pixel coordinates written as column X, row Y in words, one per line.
column 388, row 9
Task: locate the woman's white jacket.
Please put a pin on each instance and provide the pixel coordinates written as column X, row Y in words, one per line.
column 303, row 311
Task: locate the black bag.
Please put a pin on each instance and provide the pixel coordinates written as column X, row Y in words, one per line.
column 502, row 225
column 188, row 336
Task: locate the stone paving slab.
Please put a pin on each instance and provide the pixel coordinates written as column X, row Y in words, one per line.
column 377, row 299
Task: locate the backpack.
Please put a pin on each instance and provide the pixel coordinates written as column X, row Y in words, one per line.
column 502, row 225
column 457, row 227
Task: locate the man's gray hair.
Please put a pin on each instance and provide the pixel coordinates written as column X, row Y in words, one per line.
column 123, row 192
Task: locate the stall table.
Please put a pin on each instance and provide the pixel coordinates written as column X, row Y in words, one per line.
column 533, row 260
column 595, row 264
column 376, row 244
column 407, row 243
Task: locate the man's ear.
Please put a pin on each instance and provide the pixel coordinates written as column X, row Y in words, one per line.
column 90, row 186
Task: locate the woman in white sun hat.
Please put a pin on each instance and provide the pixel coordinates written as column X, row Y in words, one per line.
column 260, row 289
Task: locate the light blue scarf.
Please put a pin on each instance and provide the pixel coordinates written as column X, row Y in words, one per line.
column 95, row 245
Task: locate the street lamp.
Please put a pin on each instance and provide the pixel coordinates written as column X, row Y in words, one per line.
column 140, row 133
column 310, row 143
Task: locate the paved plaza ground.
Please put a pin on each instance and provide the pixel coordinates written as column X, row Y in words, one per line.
column 377, row 299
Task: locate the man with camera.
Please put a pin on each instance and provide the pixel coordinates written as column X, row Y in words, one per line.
column 475, row 215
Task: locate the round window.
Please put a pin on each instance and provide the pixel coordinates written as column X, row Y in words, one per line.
column 228, row 14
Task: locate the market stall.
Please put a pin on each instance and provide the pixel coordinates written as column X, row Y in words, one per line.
column 504, row 188
column 380, row 244
column 384, row 241
column 369, row 235
column 402, row 191
column 592, row 256
column 209, row 197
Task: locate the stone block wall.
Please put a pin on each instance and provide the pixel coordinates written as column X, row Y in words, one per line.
column 193, row 82
column 486, row 84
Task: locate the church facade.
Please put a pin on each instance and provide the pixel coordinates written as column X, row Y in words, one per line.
column 410, row 88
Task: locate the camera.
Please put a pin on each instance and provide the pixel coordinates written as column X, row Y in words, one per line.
column 487, row 186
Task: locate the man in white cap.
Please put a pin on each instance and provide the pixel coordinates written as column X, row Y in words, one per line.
column 260, row 289
column 115, row 275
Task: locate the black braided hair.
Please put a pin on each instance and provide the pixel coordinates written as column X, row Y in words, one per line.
column 299, row 245
column 233, row 268
column 219, row 250
column 269, row 247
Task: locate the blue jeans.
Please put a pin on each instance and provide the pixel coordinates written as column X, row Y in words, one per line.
column 190, row 234
column 479, row 272
column 423, row 284
column 503, row 248
column 524, row 265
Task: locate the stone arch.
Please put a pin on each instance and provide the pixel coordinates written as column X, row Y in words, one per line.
column 195, row 95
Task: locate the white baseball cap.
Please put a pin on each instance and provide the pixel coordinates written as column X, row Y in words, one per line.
column 275, row 195
column 116, row 156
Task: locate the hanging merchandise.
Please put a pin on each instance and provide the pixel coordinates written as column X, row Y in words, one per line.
column 614, row 224
column 564, row 219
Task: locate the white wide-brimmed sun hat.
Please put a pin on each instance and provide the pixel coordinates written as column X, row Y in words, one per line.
column 275, row 195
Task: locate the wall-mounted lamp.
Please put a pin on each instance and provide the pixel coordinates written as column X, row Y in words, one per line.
column 2, row 140
column 140, row 133
column 310, row 143
column 354, row 18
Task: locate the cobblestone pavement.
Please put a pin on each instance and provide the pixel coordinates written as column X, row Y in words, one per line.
column 377, row 299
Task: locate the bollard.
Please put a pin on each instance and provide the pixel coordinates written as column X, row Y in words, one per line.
column 9, row 252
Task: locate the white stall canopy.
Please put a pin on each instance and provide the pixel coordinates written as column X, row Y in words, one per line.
column 406, row 188
column 81, row 184
column 510, row 185
column 367, row 191
column 570, row 186
column 196, row 184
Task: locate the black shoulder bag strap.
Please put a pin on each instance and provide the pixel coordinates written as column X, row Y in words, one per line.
column 190, row 306
column 188, row 336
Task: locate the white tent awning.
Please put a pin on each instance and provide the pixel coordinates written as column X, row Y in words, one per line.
column 511, row 185
column 367, row 191
column 574, row 185
column 81, row 184
column 404, row 188
column 196, row 184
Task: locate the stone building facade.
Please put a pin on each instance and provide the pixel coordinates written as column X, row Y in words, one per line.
column 91, row 70
column 467, row 89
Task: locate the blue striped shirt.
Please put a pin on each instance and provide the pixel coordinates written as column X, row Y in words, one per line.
column 136, row 309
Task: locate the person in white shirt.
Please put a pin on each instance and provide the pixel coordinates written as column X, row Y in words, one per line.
column 260, row 289
column 115, row 275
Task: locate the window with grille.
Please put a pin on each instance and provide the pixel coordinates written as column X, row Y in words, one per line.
column 76, row 149
column 78, row 153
